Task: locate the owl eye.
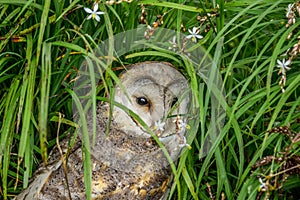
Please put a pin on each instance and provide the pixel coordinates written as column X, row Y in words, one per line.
column 143, row 101
column 175, row 99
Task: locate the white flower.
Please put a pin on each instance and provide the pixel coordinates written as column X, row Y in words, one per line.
column 149, row 31
column 181, row 124
column 159, row 125
column 94, row 14
column 173, row 44
column 263, row 186
column 283, row 66
column 194, row 34
column 289, row 10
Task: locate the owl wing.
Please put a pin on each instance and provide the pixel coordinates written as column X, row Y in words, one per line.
column 45, row 173
column 41, row 178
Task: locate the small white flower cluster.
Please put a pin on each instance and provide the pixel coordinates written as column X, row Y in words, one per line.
column 94, row 14
column 174, row 45
column 180, row 124
column 194, row 34
column 290, row 13
column 149, row 32
column 283, row 68
column 159, row 125
column 181, row 127
column 263, row 186
column 293, row 52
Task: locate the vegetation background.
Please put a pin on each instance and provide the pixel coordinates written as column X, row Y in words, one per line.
column 256, row 155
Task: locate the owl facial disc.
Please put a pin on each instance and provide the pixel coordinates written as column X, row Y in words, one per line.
column 156, row 92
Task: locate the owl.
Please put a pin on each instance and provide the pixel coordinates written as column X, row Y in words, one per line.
column 127, row 163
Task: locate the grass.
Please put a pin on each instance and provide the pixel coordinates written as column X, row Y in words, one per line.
column 254, row 151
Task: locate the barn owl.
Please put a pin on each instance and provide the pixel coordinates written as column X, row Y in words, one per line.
column 127, row 163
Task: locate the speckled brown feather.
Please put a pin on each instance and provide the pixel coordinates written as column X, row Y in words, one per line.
column 147, row 181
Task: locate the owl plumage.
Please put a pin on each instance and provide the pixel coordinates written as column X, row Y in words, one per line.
column 126, row 163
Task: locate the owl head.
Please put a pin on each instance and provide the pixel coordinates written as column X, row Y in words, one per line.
column 158, row 94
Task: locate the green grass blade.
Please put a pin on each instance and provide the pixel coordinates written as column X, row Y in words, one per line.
column 85, row 146
column 43, row 25
column 30, row 93
column 7, row 132
column 44, row 101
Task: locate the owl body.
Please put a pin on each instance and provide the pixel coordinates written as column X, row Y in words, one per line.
column 127, row 163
